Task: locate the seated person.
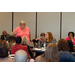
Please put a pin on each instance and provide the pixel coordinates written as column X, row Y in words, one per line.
column 25, row 43
column 39, row 40
column 4, row 48
column 49, row 39
column 5, row 36
column 71, row 37
column 18, row 46
column 11, row 42
column 22, row 56
column 63, row 50
column 50, row 55
column 42, row 37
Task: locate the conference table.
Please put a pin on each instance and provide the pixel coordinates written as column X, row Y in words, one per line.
column 38, row 51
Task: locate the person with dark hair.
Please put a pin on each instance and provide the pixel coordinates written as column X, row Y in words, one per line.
column 11, row 42
column 18, row 46
column 5, row 36
column 71, row 37
column 63, row 50
column 39, row 40
column 4, row 48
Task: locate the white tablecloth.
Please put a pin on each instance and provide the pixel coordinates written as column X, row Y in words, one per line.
column 38, row 49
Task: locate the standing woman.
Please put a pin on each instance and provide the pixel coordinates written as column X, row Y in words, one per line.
column 22, row 31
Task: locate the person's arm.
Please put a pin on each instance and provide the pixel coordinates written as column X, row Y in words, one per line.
column 73, row 41
column 29, row 35
column 53, row 41
column 14, row 33
column 38, row 44
column 41, row 45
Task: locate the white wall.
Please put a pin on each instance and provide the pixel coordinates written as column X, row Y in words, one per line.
column 68, row 23
column 6, row 22
column 29, row 18
column 48, row 22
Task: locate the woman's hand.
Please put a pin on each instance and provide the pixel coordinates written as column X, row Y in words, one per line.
column 71, row 38
column 13, row 33
column 29, row 57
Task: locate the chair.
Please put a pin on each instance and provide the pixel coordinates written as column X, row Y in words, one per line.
column 70, row 45
column 35, row 42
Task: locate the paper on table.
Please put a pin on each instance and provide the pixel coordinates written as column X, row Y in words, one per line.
column 38, row 49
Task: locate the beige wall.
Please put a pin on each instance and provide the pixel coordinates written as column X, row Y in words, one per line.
column 46, row 21
column 6, row 22
column 68, row 23
column 29, row 18
column 49, row 22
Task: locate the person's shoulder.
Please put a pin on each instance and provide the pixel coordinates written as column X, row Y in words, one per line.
column 12, row 46
column 8, row 34
column 66, row 53
column 53, row 40
column 24, row 46
column 27, row 28
column 17, row 28
column 67, row 38
column 38, row 58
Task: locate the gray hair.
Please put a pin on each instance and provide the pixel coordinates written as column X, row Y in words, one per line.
column 24, row 41
column 21, row 56
column 22, row 22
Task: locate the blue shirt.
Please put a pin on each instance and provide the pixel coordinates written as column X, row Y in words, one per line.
column 65, row 56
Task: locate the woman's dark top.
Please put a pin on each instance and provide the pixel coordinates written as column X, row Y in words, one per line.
column 29, row 50
column 52, row 41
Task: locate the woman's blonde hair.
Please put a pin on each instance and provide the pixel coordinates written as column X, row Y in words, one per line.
column 23, row 22
column 51, row 53
column 24, row 41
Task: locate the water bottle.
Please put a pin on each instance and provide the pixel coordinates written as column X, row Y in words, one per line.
column 44, row 44
column 42, row 48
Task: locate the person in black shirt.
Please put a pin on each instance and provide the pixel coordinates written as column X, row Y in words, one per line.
column 5, row 36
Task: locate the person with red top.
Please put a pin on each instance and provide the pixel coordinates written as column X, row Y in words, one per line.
column 18, row 46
